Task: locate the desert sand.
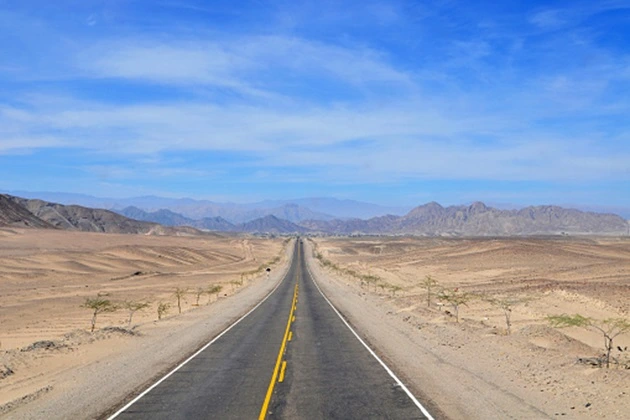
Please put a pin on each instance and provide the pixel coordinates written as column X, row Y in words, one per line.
column 473, row 368
column 467, row 369
column 49, row 359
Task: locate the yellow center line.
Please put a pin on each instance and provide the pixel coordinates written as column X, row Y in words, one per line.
column 290, row 335
column 282, row 371
column 274, row 376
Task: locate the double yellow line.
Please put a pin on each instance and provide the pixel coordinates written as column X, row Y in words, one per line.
column 281, row 365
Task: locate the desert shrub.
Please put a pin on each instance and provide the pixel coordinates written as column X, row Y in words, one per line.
column 455, row 298
column 98, row 305
column 180, row 294
column 162, row 309
column 610, row 328
column 429, row 283
column 132, row 307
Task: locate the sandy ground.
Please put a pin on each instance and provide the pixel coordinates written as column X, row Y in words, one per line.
column 51, row 366
column 473, row 369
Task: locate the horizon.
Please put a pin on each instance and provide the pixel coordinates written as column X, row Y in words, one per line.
column 391, row 103
column 623, row 212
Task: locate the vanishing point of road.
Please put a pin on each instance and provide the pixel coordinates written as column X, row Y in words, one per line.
column 292, row 357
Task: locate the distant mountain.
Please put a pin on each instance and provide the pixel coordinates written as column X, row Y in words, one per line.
column 162, row 217
column 340, row 209
column 480, row 220
column 270, row 224
column 293, row 210
column 14, row 214
column 169, row 218
column 215, row 223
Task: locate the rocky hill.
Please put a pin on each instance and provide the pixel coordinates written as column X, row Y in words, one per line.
column 14, row 214
column 480, row 220
column 81, row 218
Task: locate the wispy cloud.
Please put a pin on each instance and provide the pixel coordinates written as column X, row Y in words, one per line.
column 384, row 92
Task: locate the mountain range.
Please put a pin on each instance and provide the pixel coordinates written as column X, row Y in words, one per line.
column 429, row 219
column 478, row 219
column 294, row 211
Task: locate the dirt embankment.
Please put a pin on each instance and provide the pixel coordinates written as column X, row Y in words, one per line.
column 52, row 367
column 473, row 368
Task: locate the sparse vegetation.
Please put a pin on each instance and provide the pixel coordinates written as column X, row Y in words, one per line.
column 429, row 283
column 364, row 278
column 610, row 328
column 98, row 305
column 214, row 289
column 132, row 307
column 455, row 298
column 200, row 291
column 179, row 294
column 394, row 288
column 162, row 309
column 506, row 304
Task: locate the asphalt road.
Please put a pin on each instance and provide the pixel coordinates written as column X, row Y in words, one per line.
column 291, row 358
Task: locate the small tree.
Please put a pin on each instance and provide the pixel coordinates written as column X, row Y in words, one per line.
column 429, row 283
column 394, row 289
column 200, row 291
column 506, row 304
column 214, row 289
column 98, row 305
column 179, row 294
column 455, row 298
column 162, row 309
column 610, row 328
column 132, row 307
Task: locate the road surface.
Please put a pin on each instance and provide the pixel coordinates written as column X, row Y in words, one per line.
column 290, row 358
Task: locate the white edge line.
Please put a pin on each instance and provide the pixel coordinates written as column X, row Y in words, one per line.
column 387, row 369
column 165, row 377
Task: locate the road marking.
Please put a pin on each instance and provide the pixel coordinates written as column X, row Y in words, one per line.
column 178, row 367
column 293, row 319
column 387, row 369
column 284, row 368
column 274, row 376
column 290, row 335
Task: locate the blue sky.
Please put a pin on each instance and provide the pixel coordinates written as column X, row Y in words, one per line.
column 399, row 102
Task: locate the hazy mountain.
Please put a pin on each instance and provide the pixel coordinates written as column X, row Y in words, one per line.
column 169, row 218
column 480, row 220
column 341, row 209
column 162, row 217
column 270, row 224
column 293, row 210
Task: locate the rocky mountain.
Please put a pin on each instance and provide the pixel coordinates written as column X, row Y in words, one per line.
column 81, row 218
column 480, row 220
column 14, row 214
column 270, row 224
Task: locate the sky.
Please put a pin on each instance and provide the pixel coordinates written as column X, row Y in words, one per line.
column 391, row 102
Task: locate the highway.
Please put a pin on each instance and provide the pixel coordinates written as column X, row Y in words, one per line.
column 292, row 357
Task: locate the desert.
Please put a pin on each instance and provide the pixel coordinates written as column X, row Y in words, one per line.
column 464, row 360
column 472, row 368
column 49, row 356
